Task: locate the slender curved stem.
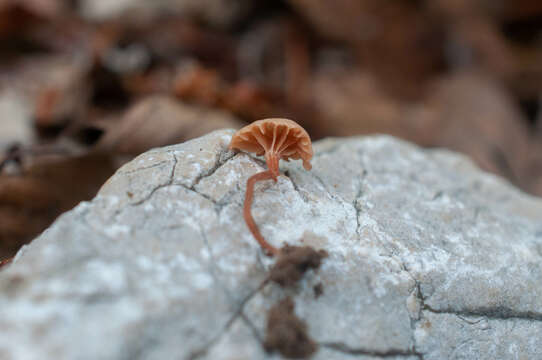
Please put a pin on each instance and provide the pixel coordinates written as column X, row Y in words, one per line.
column 272, row 161
column 269, row 249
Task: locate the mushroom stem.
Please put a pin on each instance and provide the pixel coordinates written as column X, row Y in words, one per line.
column 272, row 161
column 269, row 249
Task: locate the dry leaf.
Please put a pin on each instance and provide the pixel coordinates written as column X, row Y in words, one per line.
column 161, row 120
column 46, row 188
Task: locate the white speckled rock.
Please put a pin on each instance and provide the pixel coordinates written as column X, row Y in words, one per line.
column 428, row 258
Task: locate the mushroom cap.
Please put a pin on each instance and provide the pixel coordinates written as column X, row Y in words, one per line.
column 283, row 137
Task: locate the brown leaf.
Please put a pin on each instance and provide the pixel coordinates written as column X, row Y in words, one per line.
column 47, row 187
column 54, row 85
column 532, row 172
column 46, row 8
column 161, row 120
column 475, row 115
column 196, row 83
column 398, row 41
column 351, row 102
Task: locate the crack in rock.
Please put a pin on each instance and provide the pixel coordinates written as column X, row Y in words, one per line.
column 169, row 182
column 296, row 188
column 490, row 313
column 355, row 203
column 392, row 353
column 139, row 169
column 219, row 162
column 237, row 314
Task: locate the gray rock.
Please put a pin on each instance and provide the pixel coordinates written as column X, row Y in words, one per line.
column 428, row 258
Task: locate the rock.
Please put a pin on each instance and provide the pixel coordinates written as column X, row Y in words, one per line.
column 214, row 12
column 428, row 257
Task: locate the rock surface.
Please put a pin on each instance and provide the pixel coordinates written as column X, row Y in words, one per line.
column 429, row 258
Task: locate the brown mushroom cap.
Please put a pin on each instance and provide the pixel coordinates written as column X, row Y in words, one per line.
column 281, row 137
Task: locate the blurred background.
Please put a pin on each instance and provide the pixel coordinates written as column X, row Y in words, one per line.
column 85, row 85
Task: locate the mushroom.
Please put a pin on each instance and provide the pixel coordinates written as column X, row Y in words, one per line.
column 275, row 139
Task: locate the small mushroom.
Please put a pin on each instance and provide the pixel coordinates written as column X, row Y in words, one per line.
column 275, row 139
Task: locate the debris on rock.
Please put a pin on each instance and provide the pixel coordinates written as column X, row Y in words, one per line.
column 286, row 333
column 318, row 290
column 293, row 262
